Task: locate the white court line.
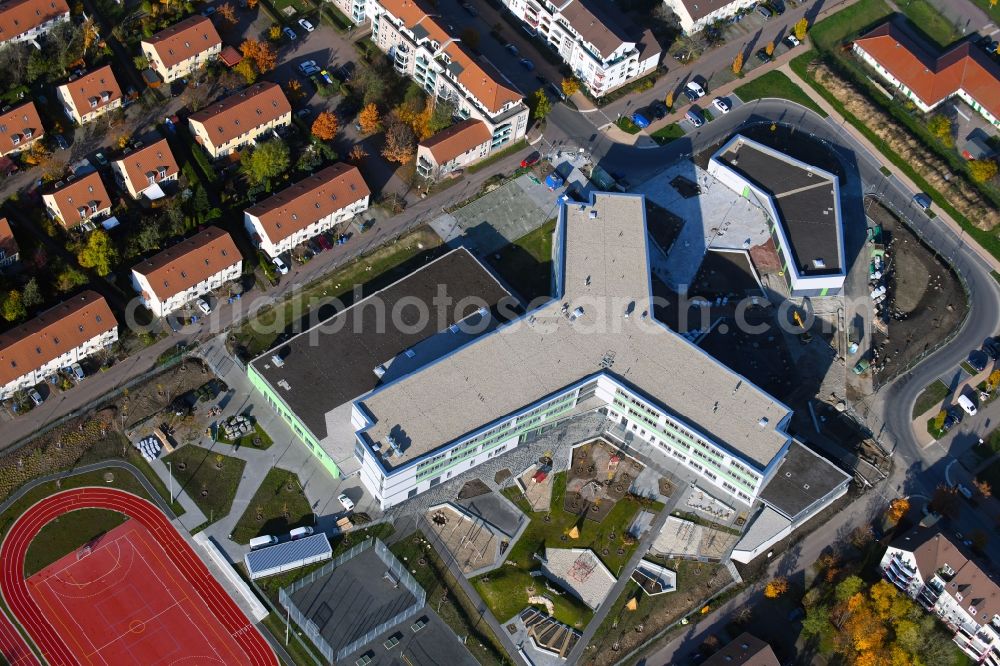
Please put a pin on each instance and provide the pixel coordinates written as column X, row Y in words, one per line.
column 959, row 112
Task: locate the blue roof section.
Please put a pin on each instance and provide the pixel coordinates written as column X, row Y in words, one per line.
column 288, row 553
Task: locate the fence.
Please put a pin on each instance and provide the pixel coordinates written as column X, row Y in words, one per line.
column 312, row 631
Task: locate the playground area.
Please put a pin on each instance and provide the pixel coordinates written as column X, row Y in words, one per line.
column 687, row 539
column 598, row 478
column 474, row 543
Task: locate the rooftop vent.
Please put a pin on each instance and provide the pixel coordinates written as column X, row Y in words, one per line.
column 278, row 361
column 819, row 263
column 576, row 314
column 763, row 422
column 380, row 371
column 285, row 385
column 593, row 215
column 394, row 445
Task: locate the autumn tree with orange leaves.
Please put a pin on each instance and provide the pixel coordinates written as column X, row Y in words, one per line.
column 897, row 509
column 369, row 119
column 262, row 54
column 400, row 144
column 357, row 154
column 777, row 587
column 227, row 13
column 325, row 126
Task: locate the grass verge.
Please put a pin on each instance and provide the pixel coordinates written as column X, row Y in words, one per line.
column 515, row 147
column 248, row 440
column 667, row 133
column 209, row 478
column 526, row 264
column 67, row 533
column 448, row 599
column 279, row 505
column 930, row 22
column 777, row 84
column 625, row 124
column 931, row 396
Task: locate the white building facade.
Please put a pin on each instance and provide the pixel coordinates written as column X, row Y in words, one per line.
column 28, row 20
column 696, row 15
column 422, row 50
column 600, row 54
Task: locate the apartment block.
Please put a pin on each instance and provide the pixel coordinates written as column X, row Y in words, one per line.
column 27, row 20
column 147, row 170
column 182, row 48
column 696, row 15
column 239, row 120
column 927, row 78
column 460, row 145
column 942, row 576
column 603, row 51
column 309, row 207
column 55, row 339
column 20, row 127
column 188, row 270
column 422, row 49
column 90, row 96
column 78, row 200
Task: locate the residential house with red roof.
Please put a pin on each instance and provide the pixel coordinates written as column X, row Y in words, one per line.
column 146, row 171
column 78, row 200
column 239, row 120
column 422, row 49
column 309, row 207
column 27, row 20
column 927, row 78
column 20, row 127
column 463, row 143
column 10, row 254
column 68, row 333
column 182, row 48
column 604, row 49
column 188, row 270
column 695, row 15
column 90, row 96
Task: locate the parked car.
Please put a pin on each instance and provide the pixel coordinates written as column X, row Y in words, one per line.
column 792, row 41
column 203, row 306
column 324, row 242
column 965, row 402
column 556, row 91
column 346, row 502
column 952, row 418
column 345, row 72
column 511, row 49
column 208, row 11
column 992, row 348
column 303, row 113
column 967, row 494
column 694, row 116
column 289, row 33
column 695, row 88
column 469, row 9
column 314, row 246
column 36, row 397
column 263, row 541
column 306, row 25
column 641, row 121
column 978, row 360
column 777, row 6
column 300, row 533
column 531, row 160
column 61, row 142
column 922, row 200
column 101, row 159
column 659, row 110
column 307, row 67
column 722, row 104
column 764, row 11
column 77, row 371
column 280, row 265
column 527, row 64
column 764, row 56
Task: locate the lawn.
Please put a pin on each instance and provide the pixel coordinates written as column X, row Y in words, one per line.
column 447, row 599
column 667, row 133
column 625, row 124
column 777, row 84
column 209, row 478
column 930, row 21
column 67, row 533
column 696, row 581
column 526, row 264
column 505, row 590
column 279, row 505
column 846, row 23
column 375, row 270
column 932, row 396
column 248, row 440
column 496, row 157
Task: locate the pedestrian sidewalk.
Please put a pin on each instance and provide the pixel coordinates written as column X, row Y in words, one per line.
column 193, row 517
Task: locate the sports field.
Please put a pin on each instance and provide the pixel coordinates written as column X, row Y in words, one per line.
column 135, row 595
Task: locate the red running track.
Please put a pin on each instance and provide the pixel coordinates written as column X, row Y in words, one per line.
column 14, row 588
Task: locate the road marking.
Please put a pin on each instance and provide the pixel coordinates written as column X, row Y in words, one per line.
column 959, row 112
column 992, row 32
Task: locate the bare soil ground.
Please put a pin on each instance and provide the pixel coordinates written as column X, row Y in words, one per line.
column 598, row 478
column 150, row 398
column 927, row 301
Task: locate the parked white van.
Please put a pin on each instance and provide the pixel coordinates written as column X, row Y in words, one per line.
column 263, row 541
column 300, row 532
column 966, row 403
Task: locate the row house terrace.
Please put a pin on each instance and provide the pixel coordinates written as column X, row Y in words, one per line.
column 27, row 20
column 182, row 48
column 423, row 50
column 239, row 120
column 20, row 128
column 90, row 96
column 78, row 200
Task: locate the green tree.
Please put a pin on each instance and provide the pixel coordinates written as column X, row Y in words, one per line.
column 69, row 278
column 268, row 160
column 31, row 295
column 442, row 118
column 940, row 127
column 848, row 587
column 13, row 308
column 982, row 170
column 541, row 106
column 141, row 62
column 99, row 253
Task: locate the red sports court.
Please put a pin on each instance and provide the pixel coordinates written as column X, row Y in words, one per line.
column 121, row 600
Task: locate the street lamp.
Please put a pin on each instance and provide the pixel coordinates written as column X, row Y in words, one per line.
column 170, row 474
